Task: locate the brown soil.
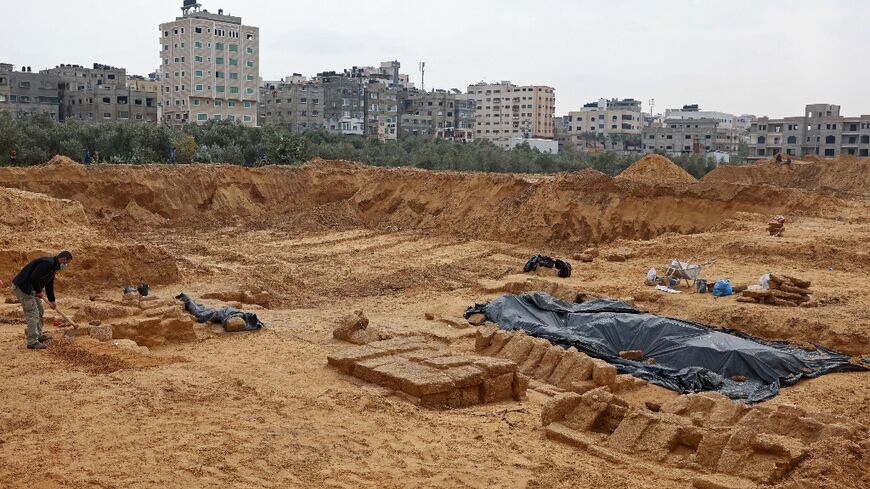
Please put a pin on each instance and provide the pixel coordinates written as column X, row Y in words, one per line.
column 845, row 175
column 658, row 170
column 413, row 249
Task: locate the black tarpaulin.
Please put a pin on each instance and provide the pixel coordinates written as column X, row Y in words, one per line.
column 690, row 357
column 205, row 314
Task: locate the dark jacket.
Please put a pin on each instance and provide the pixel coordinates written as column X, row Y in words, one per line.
column 38, row 275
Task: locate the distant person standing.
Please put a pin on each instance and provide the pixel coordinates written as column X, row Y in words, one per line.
column 87, row 157
column 172, row 155
column 779, row 157
column 13, row 157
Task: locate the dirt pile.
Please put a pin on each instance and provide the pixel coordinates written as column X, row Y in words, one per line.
column 25, row 211
column 656, row 169
column 847, row 176
column 571, row 208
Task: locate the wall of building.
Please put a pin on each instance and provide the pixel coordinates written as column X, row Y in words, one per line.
column 209, row 69
column 820, row 131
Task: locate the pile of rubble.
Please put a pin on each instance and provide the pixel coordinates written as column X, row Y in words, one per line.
column 785, row 291
column 705, row 432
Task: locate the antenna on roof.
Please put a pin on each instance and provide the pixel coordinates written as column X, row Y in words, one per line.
column 423, row 75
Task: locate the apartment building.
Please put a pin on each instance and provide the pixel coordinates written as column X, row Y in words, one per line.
column 23, row 92
column 296, row 103
column 102, row 93
column 209, row 67
column 821, row 131
column 504, row 111
column 445, row 114
column 609, row 124
column 691, row 136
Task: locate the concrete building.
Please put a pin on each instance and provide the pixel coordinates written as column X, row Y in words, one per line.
column 820, row 131
column 210, row 67
column 439, row 114
column 693, row 112
column 691, row 136
column 504, row 111
column 297, row 104
column 102, row 93
column 77, row 78
column 606, row 124
column 111, row 104
column 23, row 92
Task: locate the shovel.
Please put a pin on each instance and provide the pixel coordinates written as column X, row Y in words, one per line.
column 70, row 321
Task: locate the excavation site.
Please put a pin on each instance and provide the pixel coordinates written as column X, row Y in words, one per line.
column 339, row 325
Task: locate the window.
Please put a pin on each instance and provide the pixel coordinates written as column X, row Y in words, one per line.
column 196, row 101
column 231, row 103
column 220, row 89
column 198, row 73
column 197, row 44
column 218, row 103
column 791, row 140
column 250, row 50
column 198, row 30
column 234, row 76
column 107, row 115
column 247, row 105
column 250, row 77
column 234, row 89
column 249, row 36
column 198, row 59
column 234, row 62
column 250, row 91
column 218, row 74
column 761, row 140
column 202, row 117
column 247, row 118
column 250, row 64
column 830, row 140
column 234, row 48
column 218, row 61
column 219, row 46
column 231, row 118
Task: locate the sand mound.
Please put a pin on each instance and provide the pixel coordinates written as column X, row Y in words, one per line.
column 27, row 210
column 60, row 160
column 658, row 170
column 575, row 208
column 846, row 175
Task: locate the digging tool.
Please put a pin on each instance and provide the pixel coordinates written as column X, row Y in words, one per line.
column 74, row 325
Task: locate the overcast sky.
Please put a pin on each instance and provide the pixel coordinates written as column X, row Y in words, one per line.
column 739, row 56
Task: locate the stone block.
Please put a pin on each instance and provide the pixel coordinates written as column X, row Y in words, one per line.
column 548, row 363
column 518, row 348
column 484, row 336
column 497, row 388
column 558, row 407
column 603, row 373
column 519, row 386
column 102, row 332
column 495, row 366
column 416, row 379
column 497, row 343
column 539, row 348
column 477, row 319
column 466, row 375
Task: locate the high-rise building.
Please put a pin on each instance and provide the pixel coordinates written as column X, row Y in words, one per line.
column 505, row 111
column 210, row 67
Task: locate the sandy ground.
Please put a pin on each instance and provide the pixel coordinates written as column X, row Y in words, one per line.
column 263, row 410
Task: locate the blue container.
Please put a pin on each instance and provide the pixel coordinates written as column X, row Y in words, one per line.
column 701, row 286
column 672, row 283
